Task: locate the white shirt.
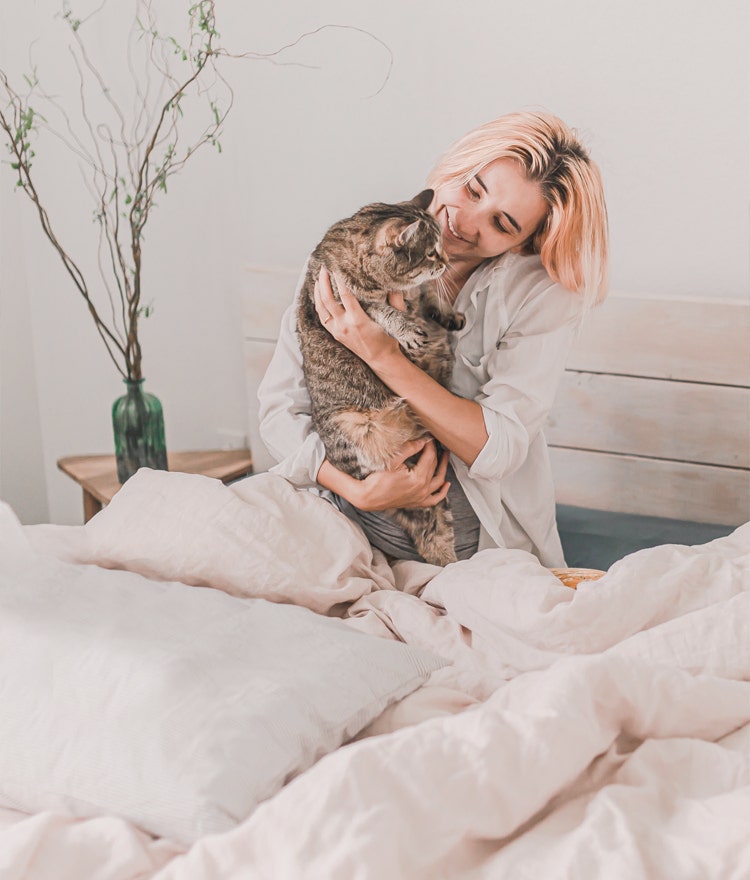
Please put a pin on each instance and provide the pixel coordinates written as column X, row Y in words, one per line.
column 509, row 357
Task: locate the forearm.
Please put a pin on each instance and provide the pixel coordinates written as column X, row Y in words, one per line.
column 456, row 422
column 330, row 477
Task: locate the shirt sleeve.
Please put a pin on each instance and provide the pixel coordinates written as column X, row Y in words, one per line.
column 285, row 420
column 520, row 376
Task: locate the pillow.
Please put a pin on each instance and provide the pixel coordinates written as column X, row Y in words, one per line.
column 260, row 537
column 176, row 707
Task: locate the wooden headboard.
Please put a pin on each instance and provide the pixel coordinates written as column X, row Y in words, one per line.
column 653, row 413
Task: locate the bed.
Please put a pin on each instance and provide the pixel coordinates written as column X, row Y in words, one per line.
column 198, row 686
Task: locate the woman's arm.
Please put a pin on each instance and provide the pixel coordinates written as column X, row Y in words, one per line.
column 456, row 422
column 286, row 430
column 422, row 485
column 284, row 410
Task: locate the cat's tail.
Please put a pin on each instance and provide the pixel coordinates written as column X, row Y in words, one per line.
column 378, row 434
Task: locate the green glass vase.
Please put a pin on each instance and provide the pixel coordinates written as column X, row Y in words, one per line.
column 138, row 423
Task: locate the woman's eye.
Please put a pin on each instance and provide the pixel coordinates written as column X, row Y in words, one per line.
column 500, row 226
column 472, row 192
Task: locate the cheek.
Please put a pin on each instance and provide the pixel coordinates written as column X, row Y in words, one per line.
column 450, row 195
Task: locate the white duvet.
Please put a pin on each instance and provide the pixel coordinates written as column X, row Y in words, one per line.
column 597, row 733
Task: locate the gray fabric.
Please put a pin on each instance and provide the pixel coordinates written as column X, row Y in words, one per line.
column 384, row 534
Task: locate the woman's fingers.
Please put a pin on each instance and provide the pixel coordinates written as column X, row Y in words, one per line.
column 423, row 485
column 438, row 496
column 396, row 299
column 329, row 308
column 430, row 472
column 410, row 448
column 438, row 487
column 427, row 462
column 351, row 306
column 442, row 469
column 325, row 304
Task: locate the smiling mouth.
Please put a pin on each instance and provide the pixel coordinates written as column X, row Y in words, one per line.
column 452, row 230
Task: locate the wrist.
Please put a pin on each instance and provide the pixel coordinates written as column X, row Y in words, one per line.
column 387, row 359
column 356, row 494
column 343, row 484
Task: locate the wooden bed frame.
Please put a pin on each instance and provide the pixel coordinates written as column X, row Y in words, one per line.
column 652, row 416
column 653, row 413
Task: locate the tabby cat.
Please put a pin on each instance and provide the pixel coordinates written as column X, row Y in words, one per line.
column 382, row 247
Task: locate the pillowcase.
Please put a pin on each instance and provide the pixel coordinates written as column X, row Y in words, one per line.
column 176, row 707
column 260, row 537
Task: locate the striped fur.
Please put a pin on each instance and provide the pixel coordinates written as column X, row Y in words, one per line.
column 362, row 423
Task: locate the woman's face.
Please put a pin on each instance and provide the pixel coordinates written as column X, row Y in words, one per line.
column 494, row 212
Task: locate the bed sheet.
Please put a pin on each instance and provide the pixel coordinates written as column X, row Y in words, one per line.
column 597, row 732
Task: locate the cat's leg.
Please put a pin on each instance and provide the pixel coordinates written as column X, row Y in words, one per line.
column 431, row 530
column 439, row 309
column 374, row 436
column 400, row 325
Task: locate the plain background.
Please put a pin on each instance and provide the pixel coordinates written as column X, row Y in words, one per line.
column 658, row 90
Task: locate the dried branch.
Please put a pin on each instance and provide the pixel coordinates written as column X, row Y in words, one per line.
column 127, row 164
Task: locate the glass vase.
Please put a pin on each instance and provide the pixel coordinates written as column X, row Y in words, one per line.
column 138, row 423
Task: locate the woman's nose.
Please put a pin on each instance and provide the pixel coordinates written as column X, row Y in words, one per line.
column 471, row 222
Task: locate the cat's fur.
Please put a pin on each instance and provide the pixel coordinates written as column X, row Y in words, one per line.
column 361, row 422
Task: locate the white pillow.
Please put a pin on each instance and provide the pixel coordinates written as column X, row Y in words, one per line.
column 260, row 537
column 176, row 707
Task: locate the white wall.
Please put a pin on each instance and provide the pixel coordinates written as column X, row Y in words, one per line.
column 659, row 91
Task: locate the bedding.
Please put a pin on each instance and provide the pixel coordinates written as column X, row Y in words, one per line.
column 596, row 732
column 178, row 708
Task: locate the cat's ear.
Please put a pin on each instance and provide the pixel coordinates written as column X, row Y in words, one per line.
column 407, row 234
column 424, row 199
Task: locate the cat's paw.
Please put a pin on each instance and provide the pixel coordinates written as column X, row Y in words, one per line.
column 412, row 337
column 448, row 320
column 456, row 321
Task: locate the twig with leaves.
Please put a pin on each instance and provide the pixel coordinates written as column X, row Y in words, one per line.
column 127, row 169
column 127, row 164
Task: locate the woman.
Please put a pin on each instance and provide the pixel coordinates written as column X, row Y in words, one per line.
column 524, row 227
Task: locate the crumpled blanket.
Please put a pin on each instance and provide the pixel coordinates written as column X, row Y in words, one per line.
column 603, row 732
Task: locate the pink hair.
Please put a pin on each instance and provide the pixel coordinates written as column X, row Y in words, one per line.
column 572, row 241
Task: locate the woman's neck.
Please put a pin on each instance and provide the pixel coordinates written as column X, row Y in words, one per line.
column 456, row 275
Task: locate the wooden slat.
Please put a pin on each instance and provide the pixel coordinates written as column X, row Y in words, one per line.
column 688, row 339
column 688, row 421
column 652, row 487
column 257, row 358
column 266, row 293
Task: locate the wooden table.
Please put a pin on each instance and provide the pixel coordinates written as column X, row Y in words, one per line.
column 97, row 474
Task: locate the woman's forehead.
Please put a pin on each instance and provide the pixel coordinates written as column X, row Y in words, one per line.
column 505, row 180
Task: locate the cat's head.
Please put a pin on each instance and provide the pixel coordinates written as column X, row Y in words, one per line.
column 389, row 246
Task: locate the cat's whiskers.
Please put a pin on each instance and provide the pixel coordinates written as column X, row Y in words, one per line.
column 442, row 289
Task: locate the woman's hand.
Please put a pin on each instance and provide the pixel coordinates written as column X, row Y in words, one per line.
column 348, row 322
column 422, row 485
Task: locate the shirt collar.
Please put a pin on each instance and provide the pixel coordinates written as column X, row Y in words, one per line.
column 482, row 276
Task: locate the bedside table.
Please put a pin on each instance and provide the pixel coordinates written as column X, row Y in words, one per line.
column 97, row 474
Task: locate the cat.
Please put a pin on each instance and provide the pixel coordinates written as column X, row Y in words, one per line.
column 362, row 423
